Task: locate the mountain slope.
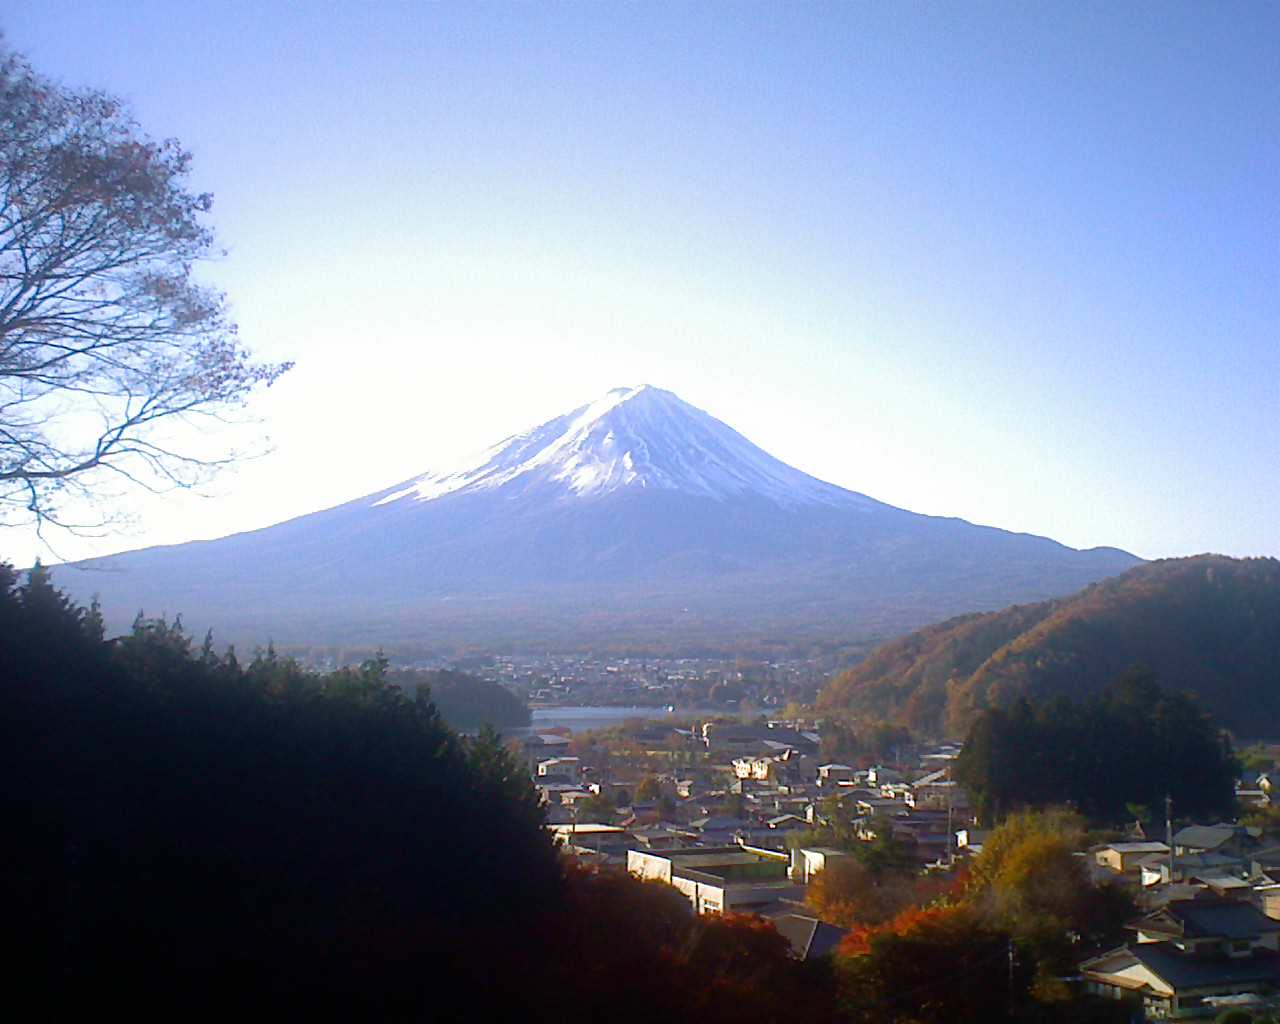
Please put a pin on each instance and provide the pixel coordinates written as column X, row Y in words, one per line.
column 1207, row 624
column 633, row 438
column 634, row 518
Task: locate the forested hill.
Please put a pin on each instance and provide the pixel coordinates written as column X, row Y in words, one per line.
column 1208, row 624
column 464, row 701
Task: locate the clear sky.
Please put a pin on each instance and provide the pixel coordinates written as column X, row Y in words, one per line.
column 1014, row 262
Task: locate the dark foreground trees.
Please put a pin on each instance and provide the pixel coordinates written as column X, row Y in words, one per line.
column 187, row 837
column 184, row 833
column 106, row 338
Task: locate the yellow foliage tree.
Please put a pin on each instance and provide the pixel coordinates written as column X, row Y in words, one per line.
column 1016, row 829
column 848, row 894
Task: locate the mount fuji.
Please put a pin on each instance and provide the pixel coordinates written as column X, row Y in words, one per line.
column 635, row 518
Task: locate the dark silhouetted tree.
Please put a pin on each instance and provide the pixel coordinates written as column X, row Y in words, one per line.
column 106, row 339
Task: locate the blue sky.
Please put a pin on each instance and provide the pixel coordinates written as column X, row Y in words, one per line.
column 1018, row 263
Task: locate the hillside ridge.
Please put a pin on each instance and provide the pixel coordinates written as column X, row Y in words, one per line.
column 1208, row 624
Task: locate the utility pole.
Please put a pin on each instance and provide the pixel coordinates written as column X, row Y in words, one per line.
column 1168, row 833
column 951, row 834
column 1011, row 977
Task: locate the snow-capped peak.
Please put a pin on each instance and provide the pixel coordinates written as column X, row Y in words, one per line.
column 641, row 437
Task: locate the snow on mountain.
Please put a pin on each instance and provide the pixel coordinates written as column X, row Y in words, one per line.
column 631, row 438
column 636, row 515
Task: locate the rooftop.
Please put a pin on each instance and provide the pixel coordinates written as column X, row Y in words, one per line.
column 1209, row 918
column 809, row 937
column 1149, row 847
column 1204, row 837
column 1182, row 971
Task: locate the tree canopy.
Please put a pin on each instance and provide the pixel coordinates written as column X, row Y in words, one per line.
column 245, row 829
column 106, row 337
column 464, row 701
column 1132, row 744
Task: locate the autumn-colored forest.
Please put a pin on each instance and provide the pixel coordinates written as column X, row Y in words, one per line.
column 1208, row 625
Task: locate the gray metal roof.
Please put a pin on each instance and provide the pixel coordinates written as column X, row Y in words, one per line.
column 809, row 937
column 1210, row 918
column 1204, row 837
column 1182, row 971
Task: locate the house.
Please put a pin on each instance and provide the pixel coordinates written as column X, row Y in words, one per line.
column 1267, row 897
column 1264, row 877
column 878, row 775
column 870, row 807
column 717, row 829
column 762, row 837
column 1223, row 884
column 720, row 879
column 1125, row 858
column 758, row 768
column 559, row 769
column 970, row 840
column 788, row 766
column 941, row 756
column 938, row 795
column 808, row 937
column 1189, row 957
column 936, row 775
column 573, row 796
column 554, row 793
column 662, row 837
column 609, row 842
column 1224, row 840
column 1266, row 861
column 831, row 774
column 1156, row 871
column 795, row 768
column 808, row 861
column 542, row 745
column 848, row 794
column 752, row 787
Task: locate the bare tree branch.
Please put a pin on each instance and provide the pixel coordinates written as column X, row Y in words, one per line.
column 99, row 312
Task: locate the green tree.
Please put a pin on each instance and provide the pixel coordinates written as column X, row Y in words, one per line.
column 1132, row 744
column 501, row 780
